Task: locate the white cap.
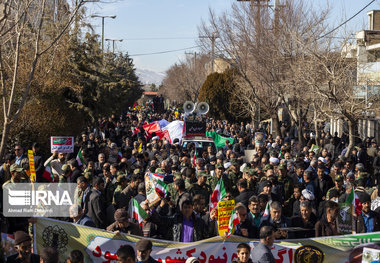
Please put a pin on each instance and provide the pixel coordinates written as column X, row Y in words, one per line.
column 242, row 167
column 274, row 160
column 308, row 194
column 226, row 165
column 323, row 160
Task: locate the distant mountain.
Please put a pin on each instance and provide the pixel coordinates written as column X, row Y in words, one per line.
column 150, row 77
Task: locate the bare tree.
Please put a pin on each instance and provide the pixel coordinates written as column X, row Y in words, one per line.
column 268, row 49
column 29, row 31
column 333, row 79
column 184, row 80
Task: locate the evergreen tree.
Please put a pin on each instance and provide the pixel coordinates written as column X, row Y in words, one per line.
column 219, row 91
column 121, row 84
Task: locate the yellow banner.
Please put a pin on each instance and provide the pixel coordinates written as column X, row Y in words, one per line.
column 32, row 169
column 101, row 246
column 224, row 214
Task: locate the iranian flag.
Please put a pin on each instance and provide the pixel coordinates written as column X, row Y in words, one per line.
column 218, row 194
column 161, row 189
column 80, row 158
column 195, row 157
column 159, row 177
column 234, row 220
column 137, row 212
column 267, row 210
column 48, row 173
column 119, row 156
column 354, row 200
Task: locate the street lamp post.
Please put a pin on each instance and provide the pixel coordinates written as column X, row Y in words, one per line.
column 113, row 43
column 102, row 17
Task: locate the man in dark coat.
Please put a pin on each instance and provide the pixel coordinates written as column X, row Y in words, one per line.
column 368, row 221
column 129, row 192
column 327, row 225
column 262, row 252
column 84, row 192
column 183, row 226
column 306, row 220
column 322, row 183
column 96, row 205
column 246, row 227
column 276, row 220
column 39, row 161
column 245, row 194
column 76, row 172
column 363, row 156
column 23, row 244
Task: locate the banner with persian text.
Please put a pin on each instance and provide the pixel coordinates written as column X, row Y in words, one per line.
column 101, row 246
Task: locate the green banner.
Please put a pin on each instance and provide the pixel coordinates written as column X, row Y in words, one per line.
column 219, row 140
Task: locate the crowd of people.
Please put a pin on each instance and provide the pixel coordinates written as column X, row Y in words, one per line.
column 303, row 187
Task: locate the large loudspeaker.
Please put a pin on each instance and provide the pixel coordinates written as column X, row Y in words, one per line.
column 188, row 107
column 202, row 108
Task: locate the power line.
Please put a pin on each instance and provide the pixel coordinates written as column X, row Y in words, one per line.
column 328, row 33
column 159, row 38
column 162, row 52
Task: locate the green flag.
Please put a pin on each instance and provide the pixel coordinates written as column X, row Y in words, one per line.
column 219, row 140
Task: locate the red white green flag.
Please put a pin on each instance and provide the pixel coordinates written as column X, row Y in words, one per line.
column 267, row 210
column 161, row 189
column 80, row 158
column 353, row 199
column 217, row 195
column 48, row 173
column 234, row 221
column 137, row 212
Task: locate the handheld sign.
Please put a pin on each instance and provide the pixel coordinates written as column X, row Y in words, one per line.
column 224, row 214
column 62, row 144
column 345, row 220
column 259, row 139
column 32, row 169
column 151, row 194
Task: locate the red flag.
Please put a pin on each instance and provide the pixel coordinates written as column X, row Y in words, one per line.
column 152, row 127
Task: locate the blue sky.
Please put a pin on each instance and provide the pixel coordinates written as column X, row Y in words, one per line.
column 138, row 19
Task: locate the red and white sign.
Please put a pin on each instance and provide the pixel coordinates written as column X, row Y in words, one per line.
column 62, row 144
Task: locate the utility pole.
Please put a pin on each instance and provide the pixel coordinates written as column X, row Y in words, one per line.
column 113, row 43
column 102, row 17
column 213, row 38
column 194, row 57
column 265, row 3
column 277, row 8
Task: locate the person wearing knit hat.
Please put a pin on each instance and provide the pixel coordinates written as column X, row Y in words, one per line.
column 23, row 245
column 368, row 221
column 123, row 224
